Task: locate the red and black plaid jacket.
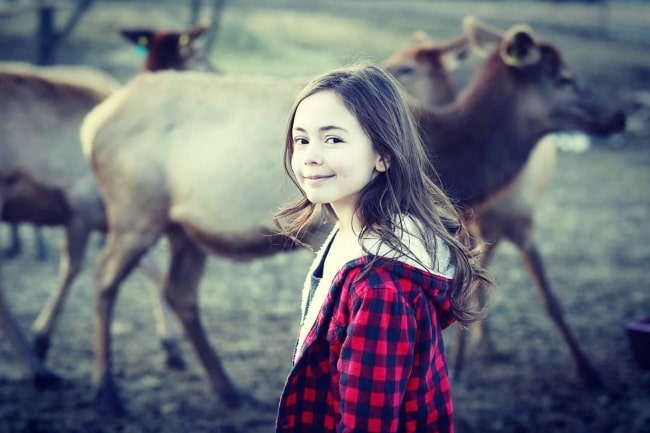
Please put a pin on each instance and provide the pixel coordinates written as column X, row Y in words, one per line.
column 374, row 360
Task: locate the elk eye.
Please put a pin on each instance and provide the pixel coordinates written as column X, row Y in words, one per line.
column 10, row 179
column 404, row 70
column 565, row 81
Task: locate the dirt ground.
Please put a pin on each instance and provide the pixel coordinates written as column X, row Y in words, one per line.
column 592, row 229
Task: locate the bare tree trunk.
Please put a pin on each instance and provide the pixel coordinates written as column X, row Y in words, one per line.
column 47, row 35
column 215, row 20
column 604, row 17
column 195, row 9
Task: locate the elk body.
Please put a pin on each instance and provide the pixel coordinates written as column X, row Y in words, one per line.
column 79, row 75
column 46, row 180
column 202, row 154
column 162, row 50
column 506, row 120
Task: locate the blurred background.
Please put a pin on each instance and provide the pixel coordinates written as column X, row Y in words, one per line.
column 592, row 225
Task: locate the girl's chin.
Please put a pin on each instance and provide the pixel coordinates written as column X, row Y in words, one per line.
column 317, row 200
column 317, row 197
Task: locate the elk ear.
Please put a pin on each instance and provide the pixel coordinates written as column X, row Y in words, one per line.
column 429, row 54
column 483, row 37
column 456, row 49
column 140, row 37
column 518, row 48
column 419, row 36
column 193, row 33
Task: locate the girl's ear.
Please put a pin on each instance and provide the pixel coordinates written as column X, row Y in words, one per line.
column 382, row 164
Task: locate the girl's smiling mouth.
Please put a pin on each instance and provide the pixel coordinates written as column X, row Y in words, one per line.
column 317, row 178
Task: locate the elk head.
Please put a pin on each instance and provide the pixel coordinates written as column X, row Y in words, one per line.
column 170, row 50
column 423, row 67
column 548, row 96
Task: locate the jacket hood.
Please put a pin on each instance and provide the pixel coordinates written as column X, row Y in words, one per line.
column 435, row 287
column 434, row 279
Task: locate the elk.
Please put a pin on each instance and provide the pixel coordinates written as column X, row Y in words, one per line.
column 170, row 50
column 493, row 212
column 88, row 76
column 420, row 67
column 202, row 154
column 45, row 179
column 161, row 50
column 424, row 67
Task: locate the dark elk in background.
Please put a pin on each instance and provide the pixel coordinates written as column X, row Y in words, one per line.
column 504, row 208
column 48, row 37
column 46, row 180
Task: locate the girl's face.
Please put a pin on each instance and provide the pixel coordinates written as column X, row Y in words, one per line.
column 333, row 158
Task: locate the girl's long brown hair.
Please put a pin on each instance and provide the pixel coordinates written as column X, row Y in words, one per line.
column 377, row 101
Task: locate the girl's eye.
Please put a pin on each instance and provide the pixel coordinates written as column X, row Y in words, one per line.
column 333, row 140
column 299, row 140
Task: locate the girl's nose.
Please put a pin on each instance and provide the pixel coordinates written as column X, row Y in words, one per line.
column 313, row 155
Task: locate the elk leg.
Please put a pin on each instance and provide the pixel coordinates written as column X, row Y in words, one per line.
column 533, row 261
column 41, row 247
column 169, row 343
column 485, row 344
column 186, row 270
column 76, row 237
column 119, row 257
column 30, row 364
column 458, row 356
column 482, row 330
column 15, row 244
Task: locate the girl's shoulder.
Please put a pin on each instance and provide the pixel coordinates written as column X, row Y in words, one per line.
column 434, row 258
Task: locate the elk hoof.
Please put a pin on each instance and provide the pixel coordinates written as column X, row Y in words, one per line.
column 485, row 349
column 45, row 379
column 173, row 357
column 12, row 252
column 231, row 397
column 108, row 399
column 41, row 345
column 42, row 254
column 591, row 378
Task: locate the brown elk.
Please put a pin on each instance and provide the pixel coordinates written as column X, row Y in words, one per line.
column 170, row 50
column 45, row 179
column 161, row 49
column 424, row 67
column 420, row 67
column 508, row 211
column 202, row 155
column 87, row 76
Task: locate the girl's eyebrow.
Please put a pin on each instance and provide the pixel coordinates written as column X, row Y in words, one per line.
column 325, row 128
column 331, row 128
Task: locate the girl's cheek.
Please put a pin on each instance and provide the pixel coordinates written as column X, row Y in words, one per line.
column 295, row 164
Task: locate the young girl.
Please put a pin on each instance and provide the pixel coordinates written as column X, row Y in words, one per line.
column 394, row 272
